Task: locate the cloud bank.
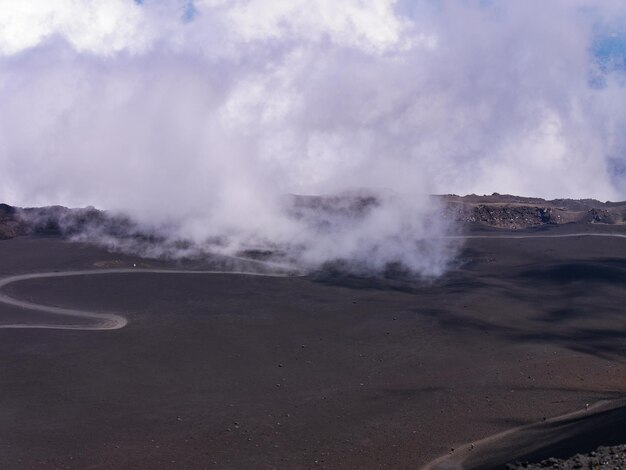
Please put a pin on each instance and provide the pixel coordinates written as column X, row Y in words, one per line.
column 201, row 116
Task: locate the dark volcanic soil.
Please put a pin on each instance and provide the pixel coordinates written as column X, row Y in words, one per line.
column 233, row 372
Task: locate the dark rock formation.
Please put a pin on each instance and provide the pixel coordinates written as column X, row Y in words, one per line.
column 10, row 224
column 59, row 220
column 515, row 213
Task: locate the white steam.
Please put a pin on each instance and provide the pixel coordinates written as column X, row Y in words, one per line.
column 204, row 115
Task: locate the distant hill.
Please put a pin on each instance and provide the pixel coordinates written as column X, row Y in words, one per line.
column 59, row 220
column 516, row 213
column 497, row 210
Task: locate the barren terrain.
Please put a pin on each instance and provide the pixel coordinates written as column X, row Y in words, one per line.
column 323, row 371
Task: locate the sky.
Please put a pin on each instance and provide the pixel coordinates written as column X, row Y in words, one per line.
column 206, row 112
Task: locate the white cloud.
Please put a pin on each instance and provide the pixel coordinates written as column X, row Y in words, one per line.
column 99, row 26
column 367, row 24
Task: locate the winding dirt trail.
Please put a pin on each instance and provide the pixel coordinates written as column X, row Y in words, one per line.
column 101, row 321
column 110, row 321
column 554, row 235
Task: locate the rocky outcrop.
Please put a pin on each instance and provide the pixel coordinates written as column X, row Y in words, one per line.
column 515, row 213
column 59, row 220
column 10, row 223
column 602, row 458
column 602, row 216
column 510, row 217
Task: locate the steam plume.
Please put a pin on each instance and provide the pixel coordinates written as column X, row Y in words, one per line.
column 201, row 118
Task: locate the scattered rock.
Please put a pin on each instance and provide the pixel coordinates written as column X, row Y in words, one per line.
column 602, row 458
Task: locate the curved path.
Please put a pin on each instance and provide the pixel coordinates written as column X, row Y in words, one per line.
column 101, row 321
column 109, row 321
column 544, row 235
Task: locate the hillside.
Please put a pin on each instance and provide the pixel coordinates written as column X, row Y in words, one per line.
column 497, row 210
column 517, row 213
